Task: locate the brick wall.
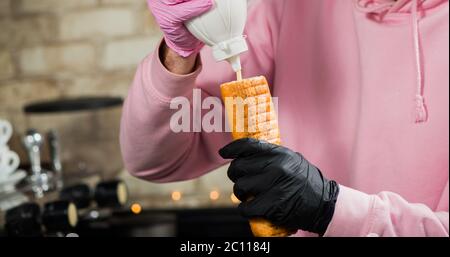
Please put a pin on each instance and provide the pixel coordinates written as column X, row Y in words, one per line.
column 66, row 48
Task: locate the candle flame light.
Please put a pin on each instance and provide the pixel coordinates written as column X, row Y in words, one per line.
column 176, row 195
column 136, row 208
column 214, row 195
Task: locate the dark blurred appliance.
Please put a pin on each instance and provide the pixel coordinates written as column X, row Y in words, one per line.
column 82, row 136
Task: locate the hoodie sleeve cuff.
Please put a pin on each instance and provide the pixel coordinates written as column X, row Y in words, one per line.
column 352, row 215
column 164, row 84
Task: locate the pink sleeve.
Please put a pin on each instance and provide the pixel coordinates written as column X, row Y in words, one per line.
column 150, row 149
column 386, row 214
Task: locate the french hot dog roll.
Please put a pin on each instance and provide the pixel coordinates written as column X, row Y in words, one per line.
column 251, row 114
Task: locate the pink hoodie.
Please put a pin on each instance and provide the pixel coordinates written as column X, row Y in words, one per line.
column 363, row 89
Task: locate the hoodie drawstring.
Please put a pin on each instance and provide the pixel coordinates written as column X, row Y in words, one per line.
column 380, row 8
column 421, row 109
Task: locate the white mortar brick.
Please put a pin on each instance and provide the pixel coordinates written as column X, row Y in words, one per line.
column 6, row 65
column 18, row 93
column 53, row 5
column 104, row 84
column 127, row 53
column 33, row 30
column 5, row 6
column 132, row 2
column 5, row 36
column 27, row 31
column 48, row 60
column 107, row 22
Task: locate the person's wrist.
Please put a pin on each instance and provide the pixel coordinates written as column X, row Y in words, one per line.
column 176, row 63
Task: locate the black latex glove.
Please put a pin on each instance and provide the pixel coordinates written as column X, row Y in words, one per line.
column 284, row 187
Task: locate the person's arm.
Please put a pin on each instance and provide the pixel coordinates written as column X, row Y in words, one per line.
column 150, row 149
column 386, row 214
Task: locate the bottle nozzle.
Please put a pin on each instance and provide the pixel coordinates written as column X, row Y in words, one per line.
column 235, row 62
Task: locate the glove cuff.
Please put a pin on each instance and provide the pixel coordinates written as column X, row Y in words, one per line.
column 327, row 209
column 183, row 51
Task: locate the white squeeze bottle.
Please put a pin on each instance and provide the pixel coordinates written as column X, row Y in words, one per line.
column 222, row 29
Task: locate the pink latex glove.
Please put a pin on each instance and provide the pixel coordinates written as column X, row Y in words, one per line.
column 171, row 16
